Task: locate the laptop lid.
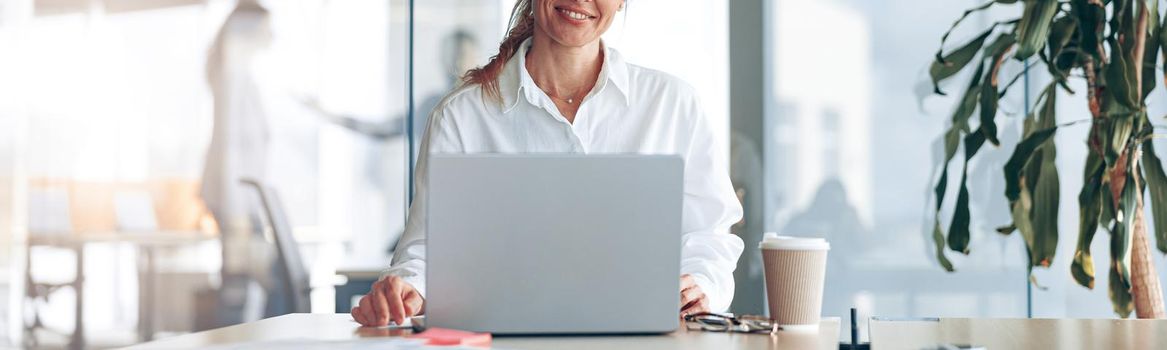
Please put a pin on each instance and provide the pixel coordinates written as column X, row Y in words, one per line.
column 554, row 244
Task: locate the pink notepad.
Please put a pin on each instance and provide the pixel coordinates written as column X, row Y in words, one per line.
column 443, row 336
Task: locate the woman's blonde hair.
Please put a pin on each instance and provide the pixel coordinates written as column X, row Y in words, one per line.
column 522, row 26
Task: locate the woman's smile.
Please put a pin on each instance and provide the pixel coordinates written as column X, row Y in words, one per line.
column 578, row 15
column 575, row 23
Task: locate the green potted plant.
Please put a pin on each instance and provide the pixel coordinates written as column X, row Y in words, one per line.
column 1114, row 45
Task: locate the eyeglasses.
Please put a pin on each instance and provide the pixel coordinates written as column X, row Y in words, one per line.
column 713, row 322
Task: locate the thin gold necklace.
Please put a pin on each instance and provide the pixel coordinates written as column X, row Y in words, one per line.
column 569, row 100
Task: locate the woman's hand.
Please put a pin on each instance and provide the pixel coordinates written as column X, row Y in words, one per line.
column 693, row 299
column 391, row 299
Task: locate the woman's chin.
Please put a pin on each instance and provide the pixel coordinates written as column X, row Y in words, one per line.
column 575, row 40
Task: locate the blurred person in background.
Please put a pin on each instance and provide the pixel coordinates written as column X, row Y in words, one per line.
column 238, row 149
column 458, row 55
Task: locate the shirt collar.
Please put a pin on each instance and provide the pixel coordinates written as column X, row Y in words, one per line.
column 516, row 82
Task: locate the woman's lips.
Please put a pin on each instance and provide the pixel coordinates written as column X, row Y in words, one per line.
column 574, row 14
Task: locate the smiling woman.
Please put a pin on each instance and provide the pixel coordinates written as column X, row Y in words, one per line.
column 556, row 87
column 569, row 30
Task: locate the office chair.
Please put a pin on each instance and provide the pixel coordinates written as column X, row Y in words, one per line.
column 293, row 276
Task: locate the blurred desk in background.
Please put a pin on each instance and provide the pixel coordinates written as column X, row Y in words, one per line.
column 144, row 239
column 987, row 333
column 148, row 215
column 340, row 327
column 146, row 242
column 359, row 277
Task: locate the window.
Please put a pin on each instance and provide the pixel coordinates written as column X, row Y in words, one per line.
column 116, row 92
column 852, row 150
column 851, row 156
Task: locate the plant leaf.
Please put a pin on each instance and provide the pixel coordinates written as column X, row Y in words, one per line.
column 958, row 231
column 1120, row 243
column 968, row 102
column 1151, row 53
column 951, row 141
column 1089, row 208
column 1033, row 29
column 944, row 38
column 943, row 66
column 1091, row 17
column 1046, row 191
column 1156, row 181
column 1020, row 156
column 1163, row 42
column 1123, row 232
column 1007, row 229
column 1048, row 113
column 1045, row 210
column 1020, row 210
column 938, row 239
column 989, row 96
column 952, row 137
column 972, row 143
column 946, row 66
column 1120, row 250
column 1121, row 126
column 1061, row 32
column 1106, row 216
column 1120, row 294
column 1120, row 78
column 989, row 100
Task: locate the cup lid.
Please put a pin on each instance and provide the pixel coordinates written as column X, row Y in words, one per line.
column 774, row 241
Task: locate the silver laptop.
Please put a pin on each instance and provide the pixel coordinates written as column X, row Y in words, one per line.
column 554, row 244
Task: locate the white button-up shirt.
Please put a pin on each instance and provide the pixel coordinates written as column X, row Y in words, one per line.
column 631, row 109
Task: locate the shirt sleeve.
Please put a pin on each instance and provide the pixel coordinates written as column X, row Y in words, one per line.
column 709, row 252
column 409, row 262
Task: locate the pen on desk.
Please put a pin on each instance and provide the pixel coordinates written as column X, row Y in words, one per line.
column 854, row 331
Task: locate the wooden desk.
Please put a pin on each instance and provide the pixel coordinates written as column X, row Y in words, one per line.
column 342, row 327
column 1020, row 333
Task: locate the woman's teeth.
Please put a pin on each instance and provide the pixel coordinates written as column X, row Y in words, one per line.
column 573, row 14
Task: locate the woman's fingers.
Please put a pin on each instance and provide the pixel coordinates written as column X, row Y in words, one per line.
column 357, row 316
column 687, row 282
column 367, row 311
column 413, row 302
column 393, row 293
column 699, row 303
column 695, row 307
column 380, row 305
column 690, row 295
column 689, row 304
column 391, row 299
column 693, row 299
